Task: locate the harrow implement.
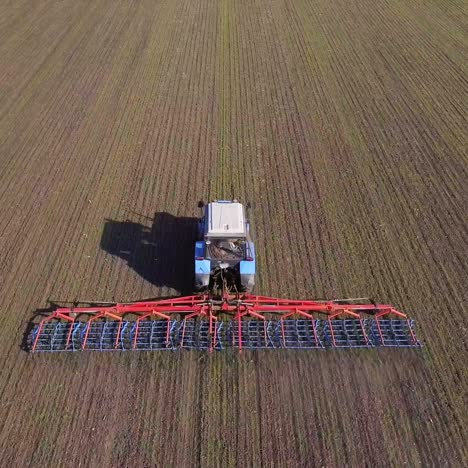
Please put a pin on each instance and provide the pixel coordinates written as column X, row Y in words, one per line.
column 241, row 321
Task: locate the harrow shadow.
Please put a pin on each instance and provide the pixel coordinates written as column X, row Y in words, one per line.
column 161, row 253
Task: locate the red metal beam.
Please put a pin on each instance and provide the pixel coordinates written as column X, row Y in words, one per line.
column 330, row 323
column 380, row 330
column 413, row 337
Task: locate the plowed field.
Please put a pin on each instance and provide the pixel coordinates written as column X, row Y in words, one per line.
column 344, row 122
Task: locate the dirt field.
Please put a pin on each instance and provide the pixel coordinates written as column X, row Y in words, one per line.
column 343, row 122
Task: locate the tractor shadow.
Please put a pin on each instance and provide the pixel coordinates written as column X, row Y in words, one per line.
column 161, row 250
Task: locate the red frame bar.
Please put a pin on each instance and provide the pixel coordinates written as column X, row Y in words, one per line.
column 364, row 331
column 315, row 334
column 183, row 334
column 380, row 331
column 413, row 337
column 254, row 305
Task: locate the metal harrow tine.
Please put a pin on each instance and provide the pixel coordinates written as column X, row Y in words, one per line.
column 197, row 325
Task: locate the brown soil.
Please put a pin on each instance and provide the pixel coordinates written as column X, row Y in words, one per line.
column 344, row 123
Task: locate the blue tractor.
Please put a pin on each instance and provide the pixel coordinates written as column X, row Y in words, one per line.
column 224, row 252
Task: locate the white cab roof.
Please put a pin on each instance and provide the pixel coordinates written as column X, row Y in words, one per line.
column 225, row 219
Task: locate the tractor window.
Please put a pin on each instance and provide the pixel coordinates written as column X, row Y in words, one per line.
column 226, row 249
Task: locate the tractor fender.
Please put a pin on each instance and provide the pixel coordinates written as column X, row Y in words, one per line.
column 202, row 266
column 247, row 269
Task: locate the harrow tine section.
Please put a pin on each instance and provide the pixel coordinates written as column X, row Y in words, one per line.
column 314, row 325
column 394, row 333
column 183, row 333
column 69, row 335
column 168, row 331
column 198, row 326
column 135, row 336
column 413, row 336
column 332, row 333
column 364, row 333
column 382, row 341
column 150, row 335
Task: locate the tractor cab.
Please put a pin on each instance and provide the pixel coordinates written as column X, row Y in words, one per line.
column 224, row 246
